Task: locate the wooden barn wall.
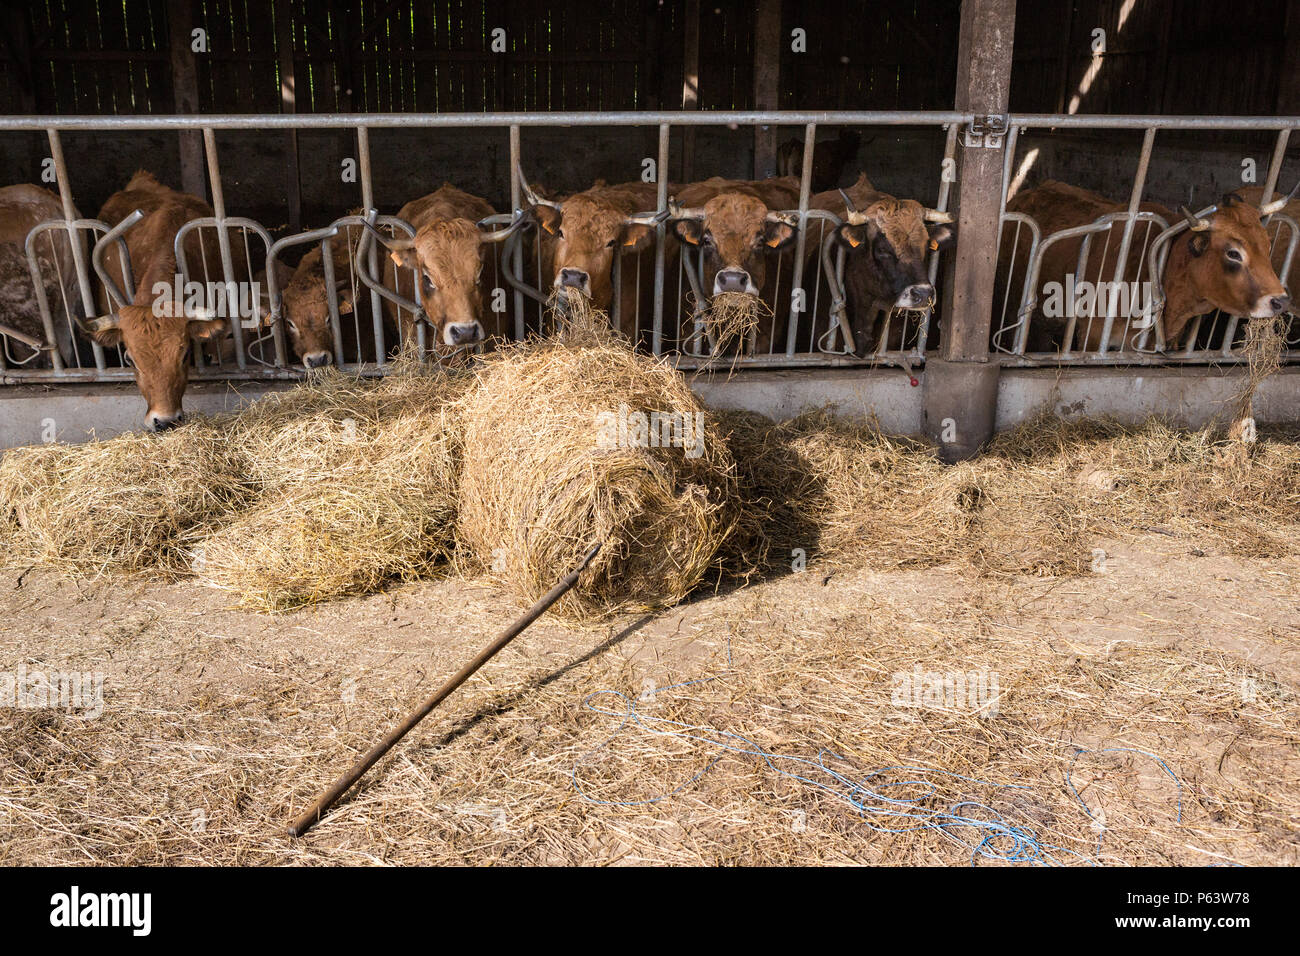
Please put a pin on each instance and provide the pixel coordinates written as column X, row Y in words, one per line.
column 1162, row 56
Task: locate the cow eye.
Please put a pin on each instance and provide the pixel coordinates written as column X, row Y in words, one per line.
column 708, row 239
column 426, row 284
column 1234, row 255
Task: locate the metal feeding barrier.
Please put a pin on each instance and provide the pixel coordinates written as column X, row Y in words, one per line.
column 1121, row 327
column 811, row 324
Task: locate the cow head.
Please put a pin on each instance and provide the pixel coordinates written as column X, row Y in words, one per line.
column 447, row 258
column 585, row 234
column 157, row 340
column 736, row 231
column 306, row 309
column 889, row 242
column 1224, row 262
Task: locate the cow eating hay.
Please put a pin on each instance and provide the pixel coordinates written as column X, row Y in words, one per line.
column 561, row 452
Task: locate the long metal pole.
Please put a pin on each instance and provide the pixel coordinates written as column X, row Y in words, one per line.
column 223, row 238
column 344, row 783
column 661, row 242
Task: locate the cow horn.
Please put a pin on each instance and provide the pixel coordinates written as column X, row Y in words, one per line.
column 678, row 211
column 390, row 243
column 1194, row 224
column 848, row 203
column 1277, row 205
column 488, row 234
column 531, row 196
column 788, row 217
column 647, row 219
column 934, row 215
column 100, row 323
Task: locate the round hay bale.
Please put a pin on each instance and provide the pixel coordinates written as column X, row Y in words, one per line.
column 132, row 503
column 563, row 448
column 359, row 489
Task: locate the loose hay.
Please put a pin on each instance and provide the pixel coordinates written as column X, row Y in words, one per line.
column 132, row 503
column 359, row 488
column 1034, row 503
column 538, row 489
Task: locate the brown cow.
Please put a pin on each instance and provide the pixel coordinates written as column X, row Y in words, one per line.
column 22, row 208
column 156, row 329
column 448, row 254
column 305, row 301
column 582, row 234
column 1220, row 263
column 887, row 242
column 737, row 225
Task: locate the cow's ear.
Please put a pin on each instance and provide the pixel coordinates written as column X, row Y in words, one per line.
column 406, row 258
column 108, row 336
column 345, row 300
column 689, row 231
column 851, row 235
column 777, row 235
column 635, row 237
column 1197, row 243
column 206, row 329
column 942, row 236
column 548, row 218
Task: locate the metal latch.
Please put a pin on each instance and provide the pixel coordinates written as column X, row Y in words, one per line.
column 987, row 131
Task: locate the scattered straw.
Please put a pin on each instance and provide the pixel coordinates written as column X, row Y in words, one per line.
column 1034, row 503
column 359, row 484
column 133, row 503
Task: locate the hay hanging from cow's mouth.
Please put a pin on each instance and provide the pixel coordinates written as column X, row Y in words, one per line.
column 731, row 324
column 574, row 319
column 1265, row 342
column 555, row 461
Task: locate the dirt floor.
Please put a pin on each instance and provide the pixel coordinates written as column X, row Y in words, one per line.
column 219, row 725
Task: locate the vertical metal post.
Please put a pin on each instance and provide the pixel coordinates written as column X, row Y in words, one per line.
column 516, row 204
column 661, row 241
column 372, row 258
column 805, row 190
column 1275, row 164
column 223, row 238
column 79, row 258
column 1126, row 240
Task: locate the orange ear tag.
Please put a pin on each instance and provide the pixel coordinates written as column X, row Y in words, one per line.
column 934, row 246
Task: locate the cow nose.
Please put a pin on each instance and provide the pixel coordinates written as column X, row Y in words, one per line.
column 916, row 296
column 1279, row 303
column 316, row 359
column 731, row 280
column 463, row 333
column 573, row 278
column 156, row 422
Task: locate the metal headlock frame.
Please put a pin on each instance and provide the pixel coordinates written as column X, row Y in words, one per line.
column 999, row 132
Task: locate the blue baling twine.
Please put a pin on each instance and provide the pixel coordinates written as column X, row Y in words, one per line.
column 999, row 839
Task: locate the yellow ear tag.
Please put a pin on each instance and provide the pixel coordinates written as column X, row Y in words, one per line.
column 934, row 246
column 853, row 242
